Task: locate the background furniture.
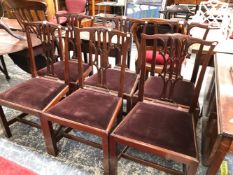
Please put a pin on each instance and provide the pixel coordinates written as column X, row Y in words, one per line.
column 10, row 44
column 217, row 139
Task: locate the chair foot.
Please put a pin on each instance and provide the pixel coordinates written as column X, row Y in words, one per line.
column 113, row 157
column 3, row 69
column 50, row 140
column 105, row 144
column 4, row 123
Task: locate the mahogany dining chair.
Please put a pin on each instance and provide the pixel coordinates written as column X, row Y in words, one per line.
column 92, row 110
column 156, row 127
column 38, row 93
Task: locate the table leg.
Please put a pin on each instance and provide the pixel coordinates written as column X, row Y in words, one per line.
column 219, row 155
column 3, row 68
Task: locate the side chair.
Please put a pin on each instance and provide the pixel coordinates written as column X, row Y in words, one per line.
column 38, row 93
column 167, row 131
column 121, row 23
column 152, row 26
column 73, row 21
column 92, row 110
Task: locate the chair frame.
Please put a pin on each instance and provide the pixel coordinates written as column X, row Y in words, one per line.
column 47, row 119
column 28, row 110
column 191, row 162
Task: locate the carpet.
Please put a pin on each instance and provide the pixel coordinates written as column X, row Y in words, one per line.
column 10, row 168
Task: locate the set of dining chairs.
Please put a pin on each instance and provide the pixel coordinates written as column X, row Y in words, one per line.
column 80, row 89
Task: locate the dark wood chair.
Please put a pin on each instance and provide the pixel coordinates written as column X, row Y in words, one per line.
column 93, row 110
column 167, row 131
column 152, row 26
column 38, row 93
column 73, row 21
column 121, row 23
column 28, row 11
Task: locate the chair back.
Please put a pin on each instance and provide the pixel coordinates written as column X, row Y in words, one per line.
column 73, row 21
column 51, row 47
column 28, row 11
column 213, row 12
column 76, row 6
column 152, row 26
column 173, row 48
column 101, row 41
column 121, row 23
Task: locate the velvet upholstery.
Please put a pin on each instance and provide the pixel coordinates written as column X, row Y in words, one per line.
column 159, row 58
column 35, row 93
column 75, row 6
column 113, row 77
column 159, row 126
column 182, row 93
column 83, row 106
column 59, row 70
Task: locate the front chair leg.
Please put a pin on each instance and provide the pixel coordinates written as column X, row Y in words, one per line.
column 50, row 140
column 4, row 123
column 105, row 144
column 113, row 157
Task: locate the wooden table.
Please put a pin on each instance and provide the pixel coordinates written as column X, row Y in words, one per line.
column 10, row 44
column 218, row 135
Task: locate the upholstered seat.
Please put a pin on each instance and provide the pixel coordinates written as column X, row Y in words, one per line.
column 83, row 107
column 182, row 93
column 59, row 70
column 112, row 80
column 165, row 130
column 159, row 58
column 35, row 93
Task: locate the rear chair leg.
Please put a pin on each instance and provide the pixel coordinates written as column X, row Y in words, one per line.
column 4, row 123
column 50, row 140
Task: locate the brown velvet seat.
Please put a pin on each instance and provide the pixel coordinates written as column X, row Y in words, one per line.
column 35, row 93
column 39, row 93
column 161, row 127
column 182, row 93
column 112, row 82
column 171, row 129
column 83, row 107
column 92, row 110
column 59, row 70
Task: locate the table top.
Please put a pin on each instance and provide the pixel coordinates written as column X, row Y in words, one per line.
column 10, row 44
column 12, row 23
column 224, row 92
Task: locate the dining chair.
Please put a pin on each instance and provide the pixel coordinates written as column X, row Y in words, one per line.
column 123, row 24
column 72, row 21
column 74, row 6
column 92, row 110
column 38, row 93
column 166, row 131
column 28, row 11
column 152, row 26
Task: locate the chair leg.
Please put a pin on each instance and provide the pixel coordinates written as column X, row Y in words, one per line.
column 3, row 68
column 192, row 169
column 105, row 143
column 113, row 157
column 4, row 123
column 50, row 140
